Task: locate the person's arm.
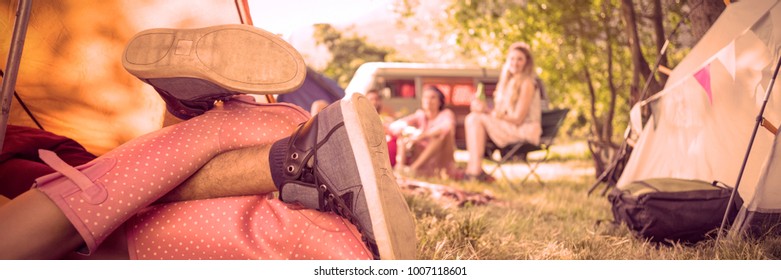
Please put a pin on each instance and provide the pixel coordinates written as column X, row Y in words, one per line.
column 521, row 108
column 397, row 127
column 442, row 125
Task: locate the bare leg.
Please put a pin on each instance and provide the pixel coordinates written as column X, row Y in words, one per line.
column 475, row 143
column 401, row 153
column 436, row 155
column 34, row 218
column 233, row 173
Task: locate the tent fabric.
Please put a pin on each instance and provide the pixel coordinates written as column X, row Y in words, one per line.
column 316, row 87
column 697, row 135
column 763, row 212
column 71, row 76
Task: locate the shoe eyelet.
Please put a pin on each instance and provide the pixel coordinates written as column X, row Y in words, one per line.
column 290, row 168
column 294, row 156
column 323, row 187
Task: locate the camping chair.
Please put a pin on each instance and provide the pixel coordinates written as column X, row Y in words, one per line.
column 551, row 122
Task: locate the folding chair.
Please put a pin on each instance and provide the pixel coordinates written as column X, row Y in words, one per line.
column 551, row 122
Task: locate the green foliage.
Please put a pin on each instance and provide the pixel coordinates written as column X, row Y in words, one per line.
column 347, row 53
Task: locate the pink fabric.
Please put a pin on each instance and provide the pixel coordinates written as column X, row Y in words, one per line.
column 248, row 227
column 703, row 77
column 91, row 192
column 392, row 149
column 142, row 170
column 146, row 168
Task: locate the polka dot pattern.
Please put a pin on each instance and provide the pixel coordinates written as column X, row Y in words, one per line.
column 249, row 227
column 151, row 165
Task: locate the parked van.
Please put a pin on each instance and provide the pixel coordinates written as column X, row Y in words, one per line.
column 401, row 85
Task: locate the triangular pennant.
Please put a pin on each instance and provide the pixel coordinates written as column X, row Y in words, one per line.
column 727, row 58
column 703, row 77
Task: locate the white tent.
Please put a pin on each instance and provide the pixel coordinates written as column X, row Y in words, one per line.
column 704, row 117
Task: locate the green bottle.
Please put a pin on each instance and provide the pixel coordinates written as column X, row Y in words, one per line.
column 480, row 94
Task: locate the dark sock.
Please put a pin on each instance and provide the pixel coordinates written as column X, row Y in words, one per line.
column 276, row 160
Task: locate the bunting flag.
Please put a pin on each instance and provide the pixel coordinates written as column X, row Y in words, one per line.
column 727, row 57
column 703, row 77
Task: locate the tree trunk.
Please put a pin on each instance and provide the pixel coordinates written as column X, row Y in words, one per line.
column 641, row 67
column 608, row 129
column 657, row 19
column 703, row 14
column 596, row 144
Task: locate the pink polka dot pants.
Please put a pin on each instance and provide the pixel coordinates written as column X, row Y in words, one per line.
column 248, row 227
column 137, row 173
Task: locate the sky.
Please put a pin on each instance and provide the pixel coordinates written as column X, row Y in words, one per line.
column 286, row 16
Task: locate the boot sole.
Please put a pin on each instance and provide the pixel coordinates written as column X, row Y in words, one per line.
column 392, row 223
column 240, row 58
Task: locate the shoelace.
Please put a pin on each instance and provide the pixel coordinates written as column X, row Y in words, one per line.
column 330, row 202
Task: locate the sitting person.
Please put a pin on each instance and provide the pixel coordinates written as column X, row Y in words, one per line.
column 426, row 139
column 375, row 98
column 516, row 114
column 331, row 177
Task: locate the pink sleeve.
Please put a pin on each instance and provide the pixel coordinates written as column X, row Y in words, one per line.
column 414, row 119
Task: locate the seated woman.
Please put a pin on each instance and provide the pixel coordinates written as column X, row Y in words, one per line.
column 516, row 114
column 426, row 139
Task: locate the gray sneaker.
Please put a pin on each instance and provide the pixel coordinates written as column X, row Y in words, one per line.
column 338, row 161
column 192, row 68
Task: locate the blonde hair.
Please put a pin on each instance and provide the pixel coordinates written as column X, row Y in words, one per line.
column 528, row 68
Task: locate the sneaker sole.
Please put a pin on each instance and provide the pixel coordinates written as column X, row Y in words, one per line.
column 238, row 57
column 392, row 223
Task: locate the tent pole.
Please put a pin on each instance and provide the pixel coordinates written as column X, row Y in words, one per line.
column 12, row 65
column 748, row 151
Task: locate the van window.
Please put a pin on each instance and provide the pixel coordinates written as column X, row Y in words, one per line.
column 461, row 93
column 402, row 88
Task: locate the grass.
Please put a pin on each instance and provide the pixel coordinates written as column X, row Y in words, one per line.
column 557, row 221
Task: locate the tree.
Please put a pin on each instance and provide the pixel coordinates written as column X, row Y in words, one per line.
column 347, row 53
column 703, row 14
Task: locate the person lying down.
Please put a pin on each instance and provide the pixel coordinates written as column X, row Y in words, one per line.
column 234, row 180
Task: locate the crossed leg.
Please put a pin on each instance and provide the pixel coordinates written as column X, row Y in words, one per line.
column 53, row 235
column 334, row 163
